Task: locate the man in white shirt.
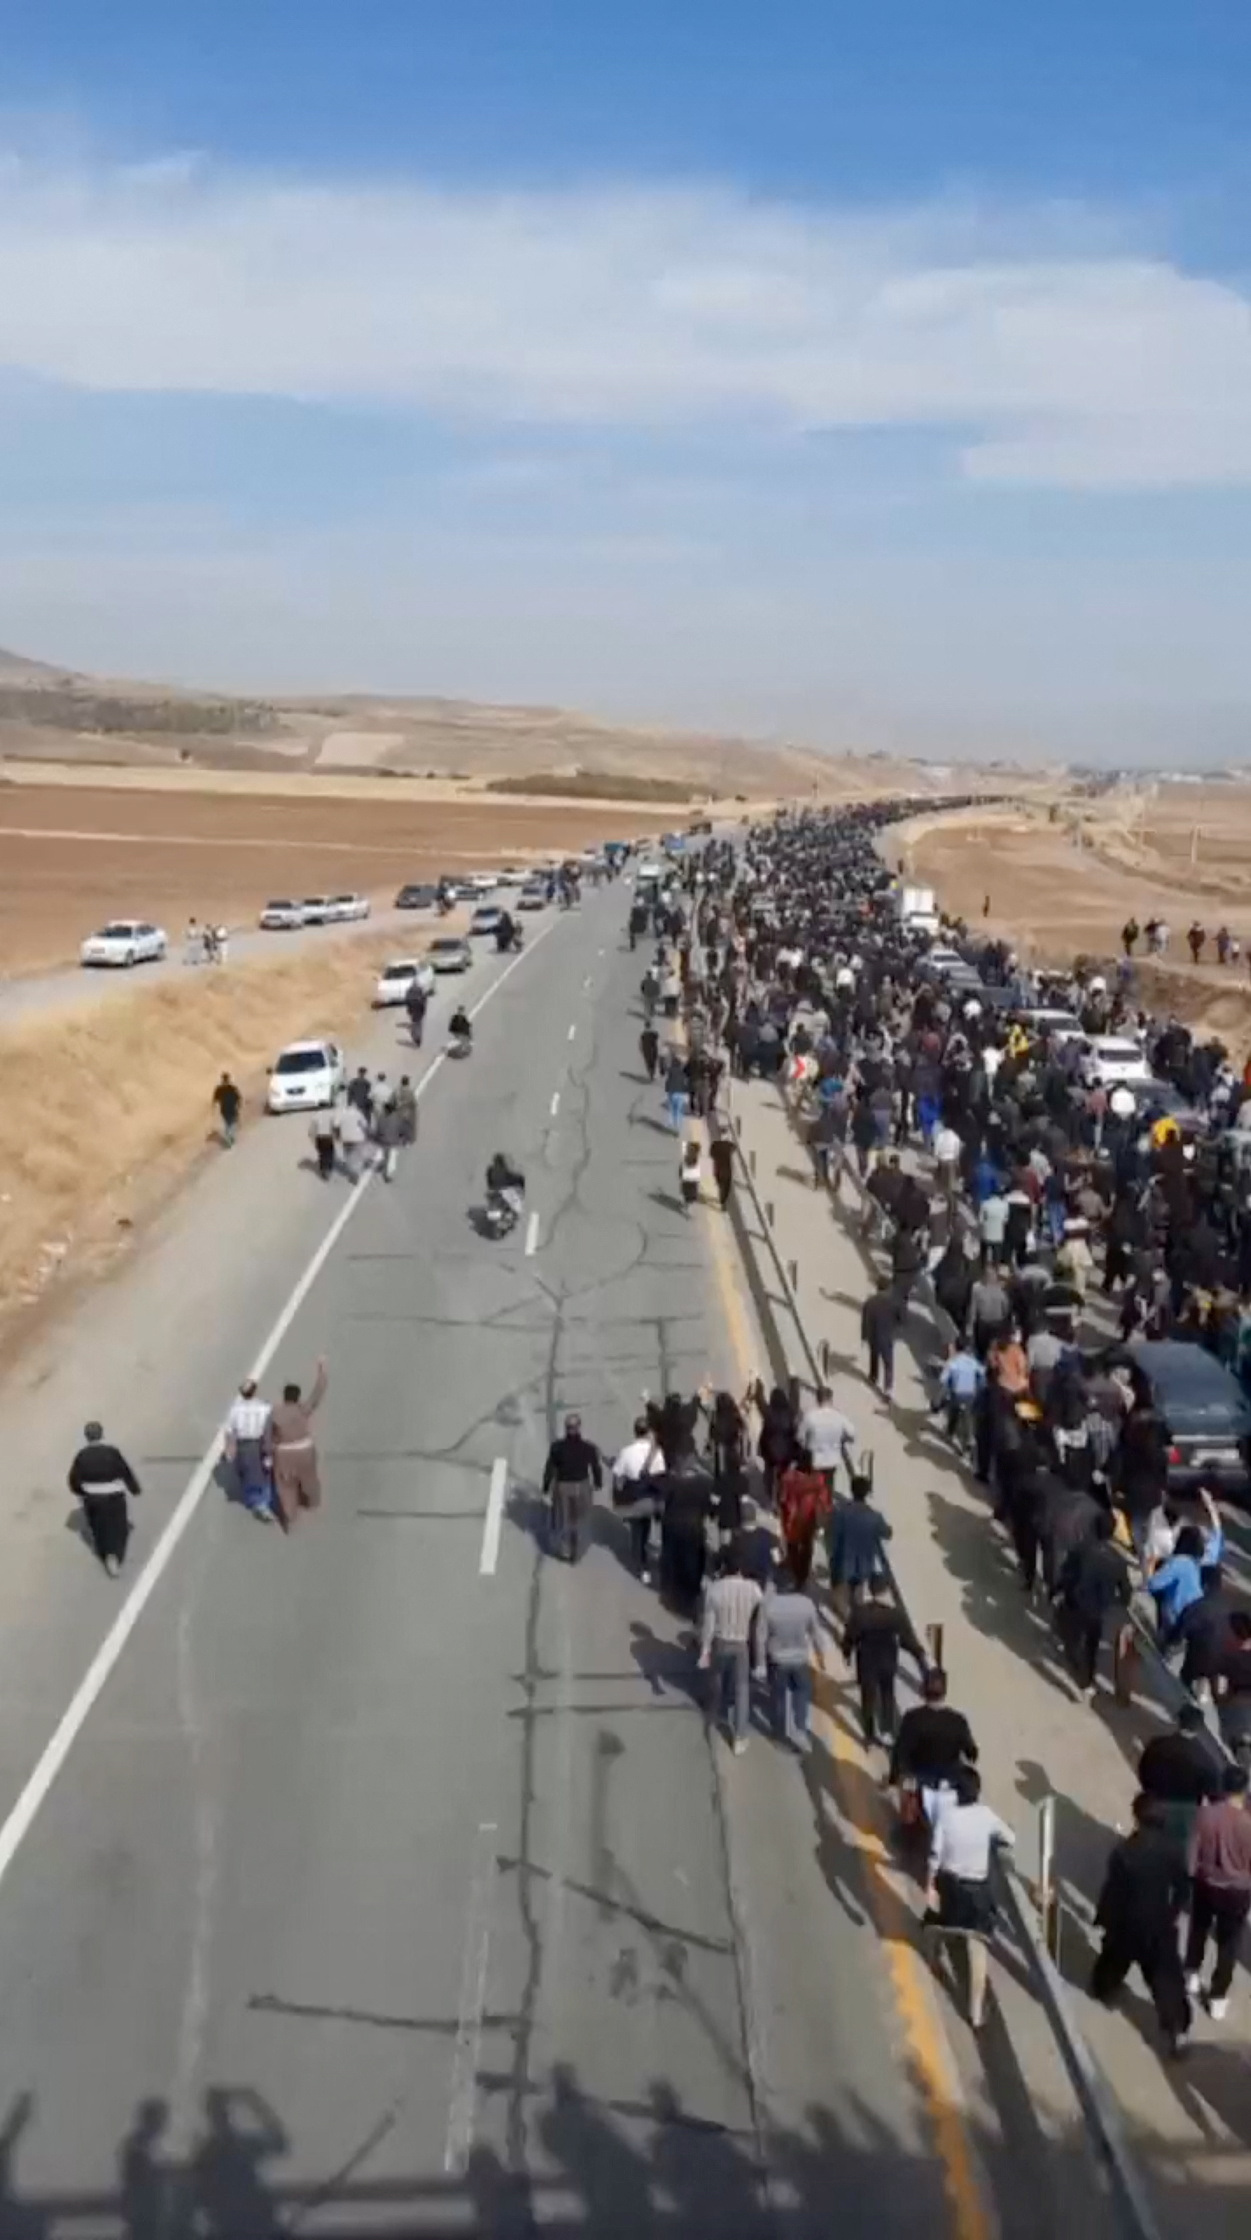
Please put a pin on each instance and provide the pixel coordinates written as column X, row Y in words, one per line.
column 993, row 1224
column 246, row 1443
column 827, row 1435
column 639, row 1461
column 947, row 1150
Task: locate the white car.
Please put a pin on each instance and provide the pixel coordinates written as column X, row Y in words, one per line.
column 396, row 979
column 487, row 919
column 480, row 882
column 124, row 941
column 305, row 1076
column 533, row 896
column 346, row 909
column 451, row 953
column 316, row 908
column 283, row 917
column 1113, row 1059
column 510, row 876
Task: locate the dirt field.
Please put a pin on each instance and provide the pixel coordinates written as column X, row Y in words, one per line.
column 105, row 1111
column 1054, row 901
column 72, row 857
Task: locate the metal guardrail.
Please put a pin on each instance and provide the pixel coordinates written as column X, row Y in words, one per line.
column 1106, row 2132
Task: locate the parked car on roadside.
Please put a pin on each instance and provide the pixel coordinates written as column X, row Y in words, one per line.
column 124, row 941
column 1206, row 1412
column 486, row 920
column 346, row 909
column 451, row 953
column 396, row 979
column 418, row 896
column 283, row 917
column 533, row 896
column 316, row 909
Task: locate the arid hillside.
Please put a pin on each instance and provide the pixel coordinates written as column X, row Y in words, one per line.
column 61, row 716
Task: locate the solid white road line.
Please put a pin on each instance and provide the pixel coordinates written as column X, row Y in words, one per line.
column 532, row 1236
column 573, row 1029
column 493, row 1520
column 554, row 1107
column 462, row 2104
column 87, row 1693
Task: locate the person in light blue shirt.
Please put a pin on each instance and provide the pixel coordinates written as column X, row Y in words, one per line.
column 1179, row 1581
column 959, row 1382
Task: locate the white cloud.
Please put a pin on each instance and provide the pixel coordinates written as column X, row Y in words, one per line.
column 1050, row 356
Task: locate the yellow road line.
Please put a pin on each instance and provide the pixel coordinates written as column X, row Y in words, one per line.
column 867, row 1828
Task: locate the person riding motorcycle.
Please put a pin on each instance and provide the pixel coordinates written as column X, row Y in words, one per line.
column 460, row 1026
column 505, row 1188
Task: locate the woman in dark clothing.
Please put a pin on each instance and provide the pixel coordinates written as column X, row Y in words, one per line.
column 686, row 1500
column 776, row 1445
column 953, row 1284
column 674, row 1422
column 727, row 1445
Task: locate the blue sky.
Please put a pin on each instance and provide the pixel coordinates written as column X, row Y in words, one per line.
column 877, row 377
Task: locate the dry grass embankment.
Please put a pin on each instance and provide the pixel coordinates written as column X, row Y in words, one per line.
column 104, row 1111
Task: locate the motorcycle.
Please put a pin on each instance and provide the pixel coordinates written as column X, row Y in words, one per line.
column 460, row 1046
column 504, row 1209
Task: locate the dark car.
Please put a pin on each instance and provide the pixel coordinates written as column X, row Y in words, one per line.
column 416, row 898
column 1207, row 1414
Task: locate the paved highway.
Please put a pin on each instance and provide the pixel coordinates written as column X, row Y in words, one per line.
column 390, row 1882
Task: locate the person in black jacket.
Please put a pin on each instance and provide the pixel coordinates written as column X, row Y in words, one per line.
column 1144, row 1890
column 875, row 1633
column 573, row 1476
column 102, row 1479
column 1093, row 1583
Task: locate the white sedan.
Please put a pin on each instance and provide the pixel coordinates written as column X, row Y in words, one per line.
column 282, row 916
column 396, row 979
column 1113, row 1059
column 451, row 953
column 305, row 1075
column 124, row 941
column 346, row 909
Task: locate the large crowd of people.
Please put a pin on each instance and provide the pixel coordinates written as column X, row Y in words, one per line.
column 1059, row 1227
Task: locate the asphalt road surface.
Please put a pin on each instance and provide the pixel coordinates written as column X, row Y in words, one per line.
column 392, row 1883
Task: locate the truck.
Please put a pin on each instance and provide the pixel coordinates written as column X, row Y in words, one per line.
column 918, row 910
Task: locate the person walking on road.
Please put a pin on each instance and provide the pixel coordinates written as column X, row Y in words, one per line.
column 406, row 1110
column 388, row 1135
column 677, row 1090
column 721, row 1160
column 879, row 1324
column 827, row 1436
column 690, row 1169
column 874, row 1634
column 728, row 1631
column 803, row 1505
column 1221, row 1897
column 229, row 1105
column 246, row 1444
column 858, row 1537
column 572, row 1478
column 1093, row 1585
column 634, row 1475
column 792, row 1644
column 297, row 1480
column 354, row 1137
column 102, row 1479
column 416, row 1003
column 649, row 1047
column 1144, row 1890
column 323, row 1134
column 959, row 1895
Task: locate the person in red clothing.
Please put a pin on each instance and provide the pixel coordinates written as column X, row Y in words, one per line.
column 803, row 1505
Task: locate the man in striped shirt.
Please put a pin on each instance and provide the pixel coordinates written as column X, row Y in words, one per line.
column 730, row 1630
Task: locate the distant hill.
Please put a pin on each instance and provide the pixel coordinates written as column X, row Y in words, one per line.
column 62, row 715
